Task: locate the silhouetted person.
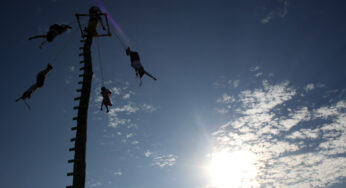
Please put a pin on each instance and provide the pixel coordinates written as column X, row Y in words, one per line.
column 136, row 64
column 41, row 76
column 106, row 100
column 94, row 19
column 54, row 31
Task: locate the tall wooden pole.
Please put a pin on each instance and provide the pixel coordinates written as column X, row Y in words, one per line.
column 79, row 161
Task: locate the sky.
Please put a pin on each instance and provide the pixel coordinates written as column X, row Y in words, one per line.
column 249, row 93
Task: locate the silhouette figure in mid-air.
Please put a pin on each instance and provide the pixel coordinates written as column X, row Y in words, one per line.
column 106, row 100
column 40, row 78
column 54, row 31
column 136, row 64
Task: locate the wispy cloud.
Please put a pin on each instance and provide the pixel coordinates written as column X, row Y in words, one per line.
column 309, row 87
column 129, row 135
column 72, row 68
column 118, row 173
column 92, row 185
column 280, row 10
column 259, row 74
column 135, row 142
column 147, row 108
column 254, row 68
column 295, row 147
column 161, row 160
column 236, row 83
column 226, row 99
column 148, row 153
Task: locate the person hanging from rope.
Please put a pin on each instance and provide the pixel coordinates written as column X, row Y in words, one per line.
column 106, row 100
column 54, row 31
column 136, row 64
column 94, row 18
column 40, row 78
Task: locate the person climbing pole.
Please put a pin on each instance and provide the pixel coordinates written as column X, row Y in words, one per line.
column 94, row 18
column 106, row 100
column 136, row 64
column 54, row 31
column 40, row 78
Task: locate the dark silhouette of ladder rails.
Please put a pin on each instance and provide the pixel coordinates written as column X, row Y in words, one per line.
column 79, row 160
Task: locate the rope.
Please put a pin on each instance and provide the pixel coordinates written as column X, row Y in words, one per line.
column 100, row 62
column 121, row 41
column 72, row 23
column 63, row 48
column 27, row 105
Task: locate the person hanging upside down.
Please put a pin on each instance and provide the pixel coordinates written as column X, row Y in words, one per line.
column 54, row 31
column 136, row 64
column 106, row 100
column 41, row 76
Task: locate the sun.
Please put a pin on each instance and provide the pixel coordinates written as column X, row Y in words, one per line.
column 233, row 169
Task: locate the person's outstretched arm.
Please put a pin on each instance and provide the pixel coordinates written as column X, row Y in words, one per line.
column 37, row 36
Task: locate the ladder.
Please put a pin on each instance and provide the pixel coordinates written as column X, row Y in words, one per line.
column 79, row 149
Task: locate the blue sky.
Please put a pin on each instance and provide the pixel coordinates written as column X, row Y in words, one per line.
column 249, row 94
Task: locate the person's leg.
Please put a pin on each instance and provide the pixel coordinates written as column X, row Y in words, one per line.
column 26, row 94
column 107, row 108
column 141, row 72
column 18, row 99
column 37, row 36
column 101, row 105
column 151, row 76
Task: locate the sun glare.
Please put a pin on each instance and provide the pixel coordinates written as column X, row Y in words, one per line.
column 233, row 169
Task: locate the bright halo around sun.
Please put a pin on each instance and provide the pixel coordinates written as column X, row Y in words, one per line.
column 233, row 169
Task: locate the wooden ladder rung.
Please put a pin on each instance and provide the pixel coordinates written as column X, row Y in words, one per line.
column 77, row 98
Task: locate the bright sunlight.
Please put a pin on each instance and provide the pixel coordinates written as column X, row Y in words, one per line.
column 233, row 169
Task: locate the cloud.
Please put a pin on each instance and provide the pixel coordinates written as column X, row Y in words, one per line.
column 226, row 99
column 309, row 87
column 128, row 95
column 108, row 82
column 127, row 108
column 280, row 10
column 129, row 135
column 116, row 91
column 97, row 184
column 161, row 160
column 259, row 74
column 222, row 111
column 255, row 68
column 118, row 173
column 72, row 68
column 135, row 142
column 147, row 108
column 236, row 83
column 299, row 146
column 148, row 153
column 120, row 115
